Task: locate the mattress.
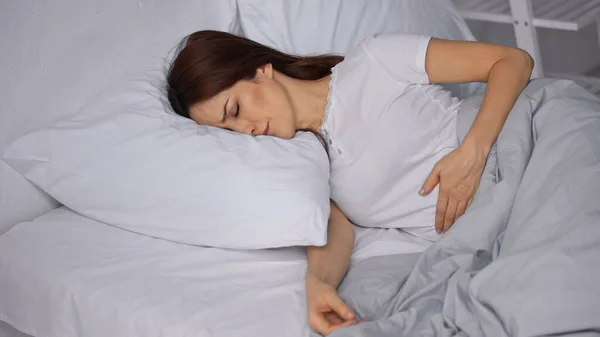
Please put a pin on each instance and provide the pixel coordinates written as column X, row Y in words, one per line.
column 66, row 275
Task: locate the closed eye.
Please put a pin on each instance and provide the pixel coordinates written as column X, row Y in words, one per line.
column 237, row 111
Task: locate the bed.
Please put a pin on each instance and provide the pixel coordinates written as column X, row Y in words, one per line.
column 522, row 262
column 524, row 252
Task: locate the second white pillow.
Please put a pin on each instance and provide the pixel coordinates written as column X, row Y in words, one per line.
column 309, row 27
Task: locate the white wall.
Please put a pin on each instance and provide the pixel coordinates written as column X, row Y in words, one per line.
column 57, row 54
column 562, row 51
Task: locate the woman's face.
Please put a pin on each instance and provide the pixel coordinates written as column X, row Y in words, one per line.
column 260, row 106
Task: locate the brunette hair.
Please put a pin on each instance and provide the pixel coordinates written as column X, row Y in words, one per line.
column 209, row 62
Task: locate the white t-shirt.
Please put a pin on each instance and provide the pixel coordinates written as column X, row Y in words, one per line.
column 387, row 127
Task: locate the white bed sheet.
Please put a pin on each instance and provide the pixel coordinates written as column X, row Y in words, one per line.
column 8, row 331
column 65, row 275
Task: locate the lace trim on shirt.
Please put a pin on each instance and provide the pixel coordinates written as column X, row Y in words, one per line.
column 329, row 106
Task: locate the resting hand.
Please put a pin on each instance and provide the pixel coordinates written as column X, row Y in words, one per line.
column 458, row 175
column 326, row 310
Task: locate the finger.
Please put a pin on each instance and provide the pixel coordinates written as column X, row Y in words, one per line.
column 431, row 182
column 450, row 215
column 318, row 322
column 334, row 322
column 333, row 319
column 341, row 308
column 460, row 210
column 469, row 202
column 440, row 212
column 345, row 324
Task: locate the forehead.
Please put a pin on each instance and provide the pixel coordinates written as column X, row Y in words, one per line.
column 210, row 112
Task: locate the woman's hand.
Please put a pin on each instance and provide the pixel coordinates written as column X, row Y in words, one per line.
column 506, row 71
column 458, row 175
column 326, row 310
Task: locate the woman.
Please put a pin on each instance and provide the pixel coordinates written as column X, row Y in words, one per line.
column 226, row 81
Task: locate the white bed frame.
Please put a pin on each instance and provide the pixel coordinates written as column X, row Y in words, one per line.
column 528, row 15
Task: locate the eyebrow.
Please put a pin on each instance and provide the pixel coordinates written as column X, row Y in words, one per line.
column 225, row 111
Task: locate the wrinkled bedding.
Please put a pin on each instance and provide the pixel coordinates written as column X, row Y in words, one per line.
column 523, row 261
column 525, row 258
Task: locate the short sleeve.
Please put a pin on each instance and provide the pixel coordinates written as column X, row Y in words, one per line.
column 402, row 56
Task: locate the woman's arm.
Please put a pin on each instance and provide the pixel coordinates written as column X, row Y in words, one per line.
column 506, row 71
column 330, row 262
column 327, row 266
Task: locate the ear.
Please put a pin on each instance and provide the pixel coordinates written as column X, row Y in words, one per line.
column 264, row 71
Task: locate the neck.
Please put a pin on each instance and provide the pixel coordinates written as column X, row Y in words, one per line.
column 309, row 100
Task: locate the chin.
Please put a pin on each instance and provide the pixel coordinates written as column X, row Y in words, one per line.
column 285, row 136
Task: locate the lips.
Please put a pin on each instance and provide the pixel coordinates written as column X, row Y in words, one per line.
column 266, row 132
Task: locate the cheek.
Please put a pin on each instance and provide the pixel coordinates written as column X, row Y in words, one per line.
column 270, row 101
column 282, row 104
column 258, row 104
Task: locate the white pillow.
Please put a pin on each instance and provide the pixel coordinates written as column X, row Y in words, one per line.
column 337, row 26
column 57, row 55
column 125, row 161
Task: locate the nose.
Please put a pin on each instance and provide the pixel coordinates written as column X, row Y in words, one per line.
column 246, row 127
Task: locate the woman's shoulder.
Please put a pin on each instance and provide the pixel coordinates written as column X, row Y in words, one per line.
column 399, row 56
column 385, row 42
